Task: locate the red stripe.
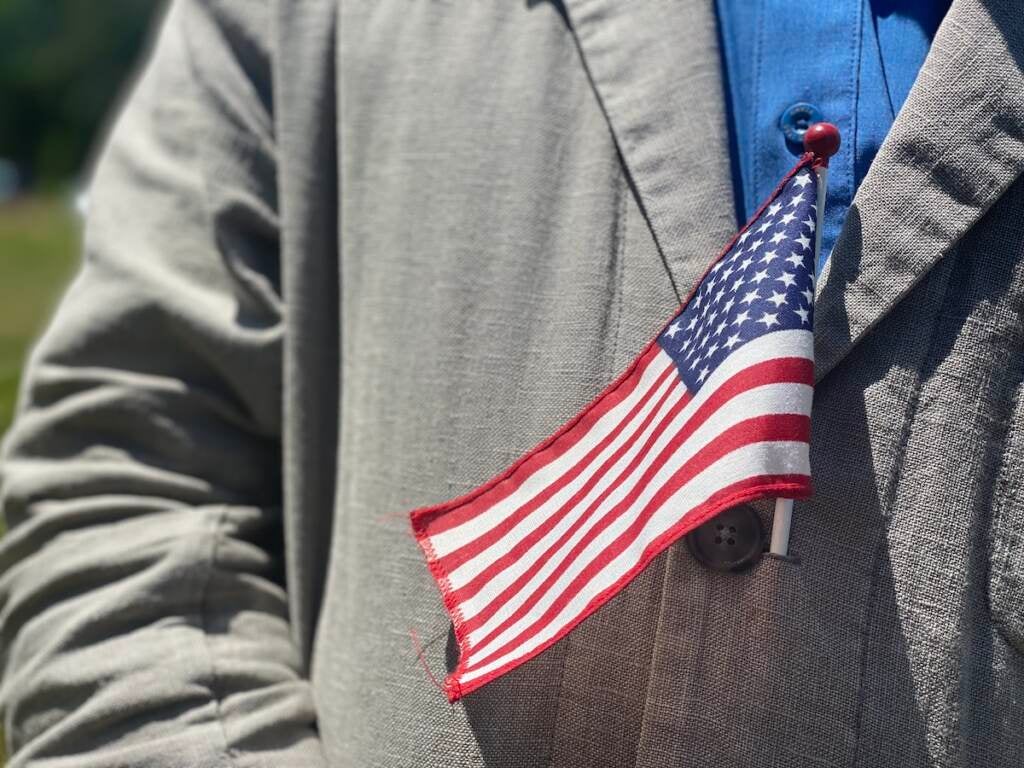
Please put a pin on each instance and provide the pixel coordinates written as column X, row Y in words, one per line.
column 748, row 489
column 443, row 517
column 775, row 427
column 768, row 372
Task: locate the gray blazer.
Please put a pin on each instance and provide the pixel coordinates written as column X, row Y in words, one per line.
column 344, row 259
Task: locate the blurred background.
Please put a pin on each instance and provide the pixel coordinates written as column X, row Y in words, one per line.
column 64, row 65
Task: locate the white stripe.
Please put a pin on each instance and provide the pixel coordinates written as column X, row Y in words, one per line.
column 781, row 457
column 471, row 568
column 794, row 343
column 780, row 398
column 446, row 542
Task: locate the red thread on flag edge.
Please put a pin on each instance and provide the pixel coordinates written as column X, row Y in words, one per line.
column 787, row 486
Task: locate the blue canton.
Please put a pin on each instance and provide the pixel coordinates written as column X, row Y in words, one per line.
column 763, row 284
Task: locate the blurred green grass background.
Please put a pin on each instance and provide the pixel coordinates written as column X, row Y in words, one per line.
column 39, row 245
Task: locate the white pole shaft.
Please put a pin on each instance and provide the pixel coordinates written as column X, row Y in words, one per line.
column 782, row 521
column 819, row 211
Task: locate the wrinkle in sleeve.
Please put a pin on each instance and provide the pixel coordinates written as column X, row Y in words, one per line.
column 143, row 617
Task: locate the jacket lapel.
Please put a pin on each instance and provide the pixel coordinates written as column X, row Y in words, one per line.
column 656, row 68
column 955, row 147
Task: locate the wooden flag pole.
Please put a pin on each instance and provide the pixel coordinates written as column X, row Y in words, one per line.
column 822, row 140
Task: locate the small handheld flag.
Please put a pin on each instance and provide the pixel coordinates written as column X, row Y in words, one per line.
column 714, row 412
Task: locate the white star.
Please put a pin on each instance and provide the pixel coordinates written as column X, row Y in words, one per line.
column 741, row 318
column 778, row 299
column 768, row 256
column 769, row 319
column 746, row 263
column 804, row 241
column 788, row 217
column 737, row 283
column 802, row 180
column 809, row 222
column 774, row 208
column 766, row 226
column 787, row 278
column 749, row 298
column 721, row 327
column 712, row 349
column 808, row 294
column 759, row 276
column 797, row 199
column 732, row 341
column 693, row 323
column 778, row 237
column 804, row 314
column 704, row 373
column 744, row 236
column 728, row 305
column 673, row 329
column 795, row 259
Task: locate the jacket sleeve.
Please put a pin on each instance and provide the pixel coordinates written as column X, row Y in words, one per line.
column 143, row 617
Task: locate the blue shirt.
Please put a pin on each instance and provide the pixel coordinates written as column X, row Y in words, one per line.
column 850, row 62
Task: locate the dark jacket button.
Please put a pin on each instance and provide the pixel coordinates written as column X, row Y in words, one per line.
column 731, row 541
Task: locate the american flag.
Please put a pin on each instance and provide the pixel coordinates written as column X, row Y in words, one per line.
column 716, row 411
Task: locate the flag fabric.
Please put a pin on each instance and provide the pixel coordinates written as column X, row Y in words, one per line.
column 714, row 412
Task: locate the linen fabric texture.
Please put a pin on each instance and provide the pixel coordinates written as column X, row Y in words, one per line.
column 345, row 259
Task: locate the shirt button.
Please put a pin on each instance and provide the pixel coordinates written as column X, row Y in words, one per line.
column 796, row 119
column 731, row 541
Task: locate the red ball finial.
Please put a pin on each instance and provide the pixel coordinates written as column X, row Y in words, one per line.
column 822, row 140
